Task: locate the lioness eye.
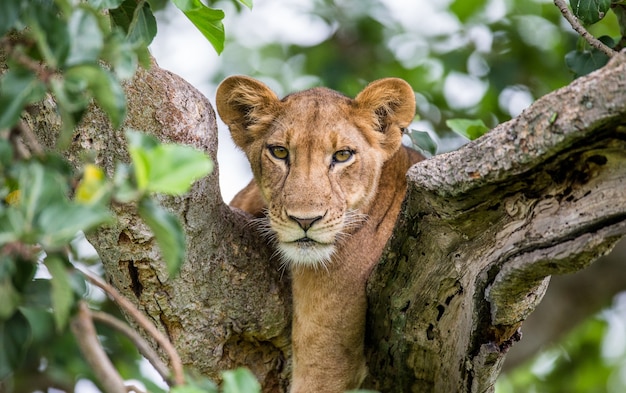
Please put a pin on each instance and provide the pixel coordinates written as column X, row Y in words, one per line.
column 279, row 152
column 342, row 155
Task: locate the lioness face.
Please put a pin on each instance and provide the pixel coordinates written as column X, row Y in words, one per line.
column 316, row 156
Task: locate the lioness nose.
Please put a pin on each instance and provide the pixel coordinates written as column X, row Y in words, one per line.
column 305, row 223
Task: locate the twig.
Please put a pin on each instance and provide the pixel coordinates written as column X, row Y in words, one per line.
column 85, row 333
column 593, row 41
column 175, row 362
column 142, row 345
column 134, row 388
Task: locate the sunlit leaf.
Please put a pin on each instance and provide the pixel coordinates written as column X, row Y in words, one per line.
column 62, row 295
column 469, row 128
column 92, row 188
column 165, row 168
column 247, row 3
column 240, row 380
column 207, row 20
column 168, row 232
column 590, row 11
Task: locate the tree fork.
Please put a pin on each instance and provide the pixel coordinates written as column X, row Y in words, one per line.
column 480, row 231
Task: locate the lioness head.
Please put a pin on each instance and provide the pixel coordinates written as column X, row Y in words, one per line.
column 316, row 156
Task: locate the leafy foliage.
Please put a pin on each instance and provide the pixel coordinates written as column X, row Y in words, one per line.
column 78, row 54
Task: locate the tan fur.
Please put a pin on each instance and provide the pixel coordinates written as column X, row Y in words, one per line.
column 346, row 210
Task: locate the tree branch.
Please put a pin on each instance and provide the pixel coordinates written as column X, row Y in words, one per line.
column 85, row 333
column 176, row 364
column 580, row 29
column 141, row 344
column 485, row 225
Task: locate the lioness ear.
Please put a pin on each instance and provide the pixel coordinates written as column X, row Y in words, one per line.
column 390, row 103
column 245, row 105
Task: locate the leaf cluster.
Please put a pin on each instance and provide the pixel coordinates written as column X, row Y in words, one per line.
column 79, row 53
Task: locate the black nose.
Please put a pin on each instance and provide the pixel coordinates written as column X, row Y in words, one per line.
column 305, row 223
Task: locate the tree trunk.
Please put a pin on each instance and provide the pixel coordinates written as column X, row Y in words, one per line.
column 481, row 231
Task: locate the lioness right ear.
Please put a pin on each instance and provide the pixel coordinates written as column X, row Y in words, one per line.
column 390, row 105
column 245, row 105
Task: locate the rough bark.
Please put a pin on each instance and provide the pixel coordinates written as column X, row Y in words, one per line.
column 481, row 231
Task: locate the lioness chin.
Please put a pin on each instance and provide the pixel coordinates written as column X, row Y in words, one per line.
column 329, row 174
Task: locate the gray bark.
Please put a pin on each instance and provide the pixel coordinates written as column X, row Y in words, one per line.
column 484, row 228
column 481, row 231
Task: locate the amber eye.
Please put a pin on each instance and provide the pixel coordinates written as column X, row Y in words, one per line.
column 279, row 152
column 342, row 155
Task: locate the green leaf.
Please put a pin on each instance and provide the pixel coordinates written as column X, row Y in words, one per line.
column 18, row 88
column 207, row 20
column 59, row 223
column 9, row 13
column 464, row 9
column 49, row 31
column 105, row 4
column 143, row 27
column 62, row 295
column 86, row 40
column 37, row 294
column 247, row 3
column 41, row 322
column 10, row 298
column 423, row 141
column 121, row 55
column 6, row 154
column 590, row 11
column 165, row 168
column 106, row 90
column 470, row 129
column 137, row 21
column 187, row 389
column 168, row 232
column 240, row 380
column 15, row 338
column 584, row 62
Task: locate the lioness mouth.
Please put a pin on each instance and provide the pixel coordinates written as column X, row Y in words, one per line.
column 305, row 240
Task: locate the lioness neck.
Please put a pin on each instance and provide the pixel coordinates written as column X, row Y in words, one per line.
column 330, row 304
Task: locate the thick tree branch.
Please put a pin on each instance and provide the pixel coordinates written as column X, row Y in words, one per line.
column 141, row 344
column 141, row 320
column 483, row 229
column 85, row 333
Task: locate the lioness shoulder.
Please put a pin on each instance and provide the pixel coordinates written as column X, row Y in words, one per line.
column 329, row 175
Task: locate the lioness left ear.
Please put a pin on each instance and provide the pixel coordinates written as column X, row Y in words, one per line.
column 245, row 105
column 390, row 103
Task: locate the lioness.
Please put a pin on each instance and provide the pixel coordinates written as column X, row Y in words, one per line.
column 329, row 174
